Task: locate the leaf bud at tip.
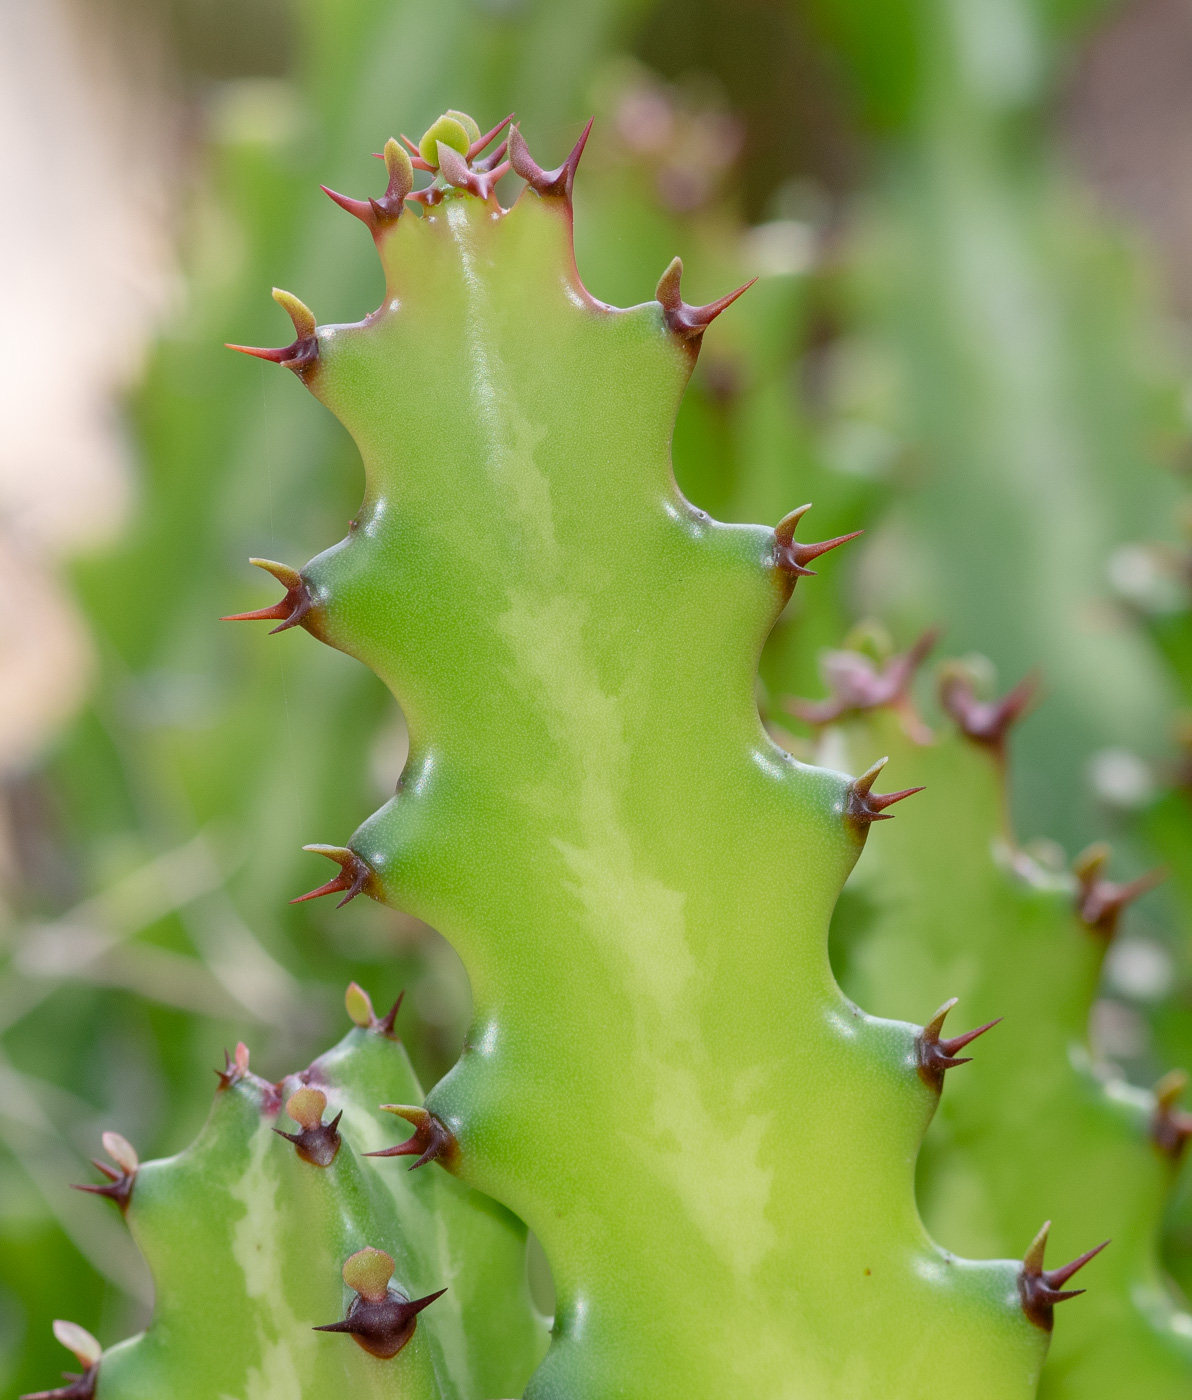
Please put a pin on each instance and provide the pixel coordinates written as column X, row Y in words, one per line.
column 368, row 1272
column 359, row 1005
column 78, row 1340
column 450, row 132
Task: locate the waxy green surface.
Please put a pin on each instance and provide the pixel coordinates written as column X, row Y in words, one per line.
column 246, row 1242
column 1028, row 1131
column 715, row 1147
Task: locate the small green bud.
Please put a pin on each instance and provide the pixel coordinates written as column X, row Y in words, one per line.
column 368, row 1271
column 451, row 133
column 80, row 1341
column 397, row 163
column 468, row 123
column 359, row 1004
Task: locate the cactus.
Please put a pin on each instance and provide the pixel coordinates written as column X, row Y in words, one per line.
column 255, row 1246
column 1034, row 1125
column 661, row 1077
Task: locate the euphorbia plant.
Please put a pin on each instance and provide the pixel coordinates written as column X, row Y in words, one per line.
column 661, row 1077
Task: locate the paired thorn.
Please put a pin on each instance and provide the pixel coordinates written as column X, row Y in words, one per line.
column 1041, row 1289
column 1171, row 1125
column 303, row 352
column 380, row 214
column 985, row 722
column 936, row 1055
column 122, row 1177
column 360, row 1009
column 558, row 182
column 431, row 1141
column 317, row 1142
column 855, row 683
column 87, row 1351
column 379, row 1318
column 235, row 1067
column 790, row 555
column 355, row 874
column 291, row 610
column 863, row 806
column 689, row 322
column 1100, row 902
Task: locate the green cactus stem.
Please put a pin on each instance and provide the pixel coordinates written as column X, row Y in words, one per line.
column 261, row 1237
column 1034, row 1125
column 662, row 1078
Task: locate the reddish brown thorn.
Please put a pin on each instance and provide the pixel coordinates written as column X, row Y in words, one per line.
column 856, row 684
column 88, row 1353
column 431, row 1141
column 415, row 155
column 1099, row 903
column 78, row 1387
column 360, row 1009
column 481, row 141
column 863, row 806
column 559, row 181
column 317, row 1142
column 490, row 162
column 792, row 556
column 1171, row 1125
column 122, row 1177
column 936, row 1055
column 235, row 1067
column 984, row 722
column 354, row 875
column 303, row 351
column 361, row 209
column 690, row 322
column 1041, row 1289
column 291, row 610
column 382, row 1328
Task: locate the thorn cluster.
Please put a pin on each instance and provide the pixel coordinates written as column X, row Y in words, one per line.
column 936, row 1055
column 360, row 1009
column 863, row 806
column 1041, row 1289
column 558, row 182
column 380, row 214
column 291, row 610
column 235, row 1067
column 1099, row 902
column 79, row 1386
column 1171, row 1125
column 355, row 874
column 431, row 1141
column 690, row 322
column 856, row 683
column 985, row 722
column 317, row 1142
column 379, row 1318
column 302, row 354
column 122, row 1177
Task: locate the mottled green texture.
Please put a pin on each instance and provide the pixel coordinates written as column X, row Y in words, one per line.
column 246, row 1242
column 661, row 1076
column 1031, row 1129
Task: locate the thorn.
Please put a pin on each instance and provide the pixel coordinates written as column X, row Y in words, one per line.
column 690, row 322
column 432, row 1140
column 380, row 214
column 291, row 610
column 120, row 1179
column 559, row 181
column 360, row 1009
column 235, row 1067
column 792, row 556
column 454, row 169
column 354, row 875
column 481, row 141
column 87, row 1352
column 1040, row 1289
column 490, row 162
column 936, row 1055
column 318, row 1142
column 381, row 1319
column 304, row 350
column 863, row 806
column 984, row 722
column 856, row 684
column 1099, row 903
column 1171, row 1126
